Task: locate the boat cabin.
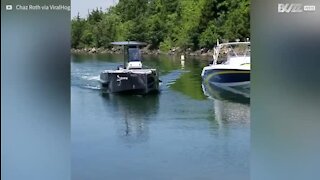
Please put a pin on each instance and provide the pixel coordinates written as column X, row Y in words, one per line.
column 134, row 58
column 132, row 51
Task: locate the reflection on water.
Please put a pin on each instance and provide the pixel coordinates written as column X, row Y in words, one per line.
column 233, row 94
column 182, row 64
column 181, row 133
column 136, row 112
column 230, row 112
column 230, row 104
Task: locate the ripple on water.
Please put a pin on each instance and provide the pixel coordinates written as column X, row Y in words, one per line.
column 171, row 78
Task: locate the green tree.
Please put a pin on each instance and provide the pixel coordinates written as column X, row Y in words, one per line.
column 237, row 22
column 209, row 37
column 77, row 27
column 164, row 24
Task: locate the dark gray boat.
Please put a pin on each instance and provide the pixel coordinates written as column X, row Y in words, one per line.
column 131, row 77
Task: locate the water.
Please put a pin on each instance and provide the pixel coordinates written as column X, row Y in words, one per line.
column 178, row 134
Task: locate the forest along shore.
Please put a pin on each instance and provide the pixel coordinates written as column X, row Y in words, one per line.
column 191, row 27
column 204, row 52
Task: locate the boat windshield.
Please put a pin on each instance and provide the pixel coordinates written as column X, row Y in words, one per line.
column 238, row 50
column 231, row 51
column 134, row 54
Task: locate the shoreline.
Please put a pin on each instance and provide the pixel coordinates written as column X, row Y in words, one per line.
column 202, row 53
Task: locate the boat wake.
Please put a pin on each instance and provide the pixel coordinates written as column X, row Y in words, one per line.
column 92, row 87
column 85, row 81
column 171, row 78
column 91, row 78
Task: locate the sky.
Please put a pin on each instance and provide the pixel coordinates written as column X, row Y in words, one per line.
column 82, row 6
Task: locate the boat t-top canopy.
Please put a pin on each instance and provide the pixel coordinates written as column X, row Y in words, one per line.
column 129, row 43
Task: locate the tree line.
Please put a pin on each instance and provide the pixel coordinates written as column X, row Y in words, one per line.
column 164, row 24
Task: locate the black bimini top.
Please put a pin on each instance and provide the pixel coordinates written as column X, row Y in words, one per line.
column 129, row 43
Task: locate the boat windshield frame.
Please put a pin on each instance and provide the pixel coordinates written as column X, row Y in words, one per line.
column 230, row 48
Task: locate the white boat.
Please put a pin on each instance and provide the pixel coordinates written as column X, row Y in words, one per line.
column 230, row 66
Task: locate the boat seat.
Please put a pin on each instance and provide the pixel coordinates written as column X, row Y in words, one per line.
column 134, row 65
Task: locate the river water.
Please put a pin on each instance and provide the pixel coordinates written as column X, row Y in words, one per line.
column 180, row 133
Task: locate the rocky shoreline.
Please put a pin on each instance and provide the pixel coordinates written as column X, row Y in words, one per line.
column 204, row 52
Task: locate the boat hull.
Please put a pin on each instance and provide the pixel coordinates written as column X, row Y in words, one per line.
column 228, row 77
column 130, row 82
